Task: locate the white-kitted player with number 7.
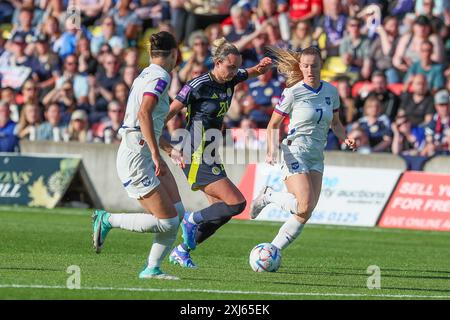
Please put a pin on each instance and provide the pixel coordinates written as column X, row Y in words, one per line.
column 312, row 106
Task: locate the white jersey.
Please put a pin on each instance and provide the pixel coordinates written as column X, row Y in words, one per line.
column 155, row 81
column 310, row 111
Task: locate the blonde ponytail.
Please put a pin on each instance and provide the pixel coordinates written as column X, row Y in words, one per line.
column 288, row 64
column 221, row 48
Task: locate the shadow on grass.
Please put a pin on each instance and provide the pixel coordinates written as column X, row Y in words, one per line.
column 29, row 269
column 361, row 287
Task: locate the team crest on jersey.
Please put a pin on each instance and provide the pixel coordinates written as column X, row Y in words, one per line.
column 146, row 181
column 223, row 95
column 328, row 100
column 215, row 171
column 268, row 92
column 295, row 166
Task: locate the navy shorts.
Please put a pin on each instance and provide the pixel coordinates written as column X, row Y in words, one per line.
column 199, row 175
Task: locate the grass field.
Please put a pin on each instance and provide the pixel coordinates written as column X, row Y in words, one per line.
column 37, row 246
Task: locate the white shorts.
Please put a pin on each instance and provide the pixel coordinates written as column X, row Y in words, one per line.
column 136, row 171
column 301, row 156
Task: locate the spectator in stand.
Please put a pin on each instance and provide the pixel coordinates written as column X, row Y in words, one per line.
column 378, row 86
column 434, row 72
column 361, row 141
column 48, row 65
column 64, row 97
column 201, row 13
column 30, row 119
column 110, row 36
column 91, row 10
column 8, row 96
column 19, row 57
column 275, row 11
column 112, row 123
column 407, row 140
column 382, row 49
column 408, row 49
column 66, row 45
column 332, row 24
column 30, row 95
column 24, row 26
column 243, row 32
column 433, row 12
column 129, row 74
column 418, row 104
column 241, row 25
column 128, row 24
column 305, row 9
column 53, row 128
column 79, row 81
column 8, row 140
column 348, row 113
column 436, row 131
column 130, row 58
column 213, row 32
column 248, row 137
column 197, row 70
column 301, row 36
column 376, row 125
column 266, row 92
column 198, row 42
column 252, row 110
column 354, row 49
column 121, row 92
column 101, row 88
column 274, row 36
column 51, row 29
column 87, row 64
column 78, row 129
column 399, row 8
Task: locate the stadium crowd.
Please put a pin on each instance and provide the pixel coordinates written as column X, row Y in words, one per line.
column 66, row 67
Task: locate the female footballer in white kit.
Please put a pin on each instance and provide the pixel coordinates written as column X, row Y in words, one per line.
column 312, row 106
column 140, row 167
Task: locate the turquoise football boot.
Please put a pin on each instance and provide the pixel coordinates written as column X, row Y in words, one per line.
column 100, row 227
column 155, row 273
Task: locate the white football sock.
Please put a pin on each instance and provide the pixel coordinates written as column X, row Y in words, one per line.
column 284, row 200
column 288, row 232
column 162, row 243
column 137, row 222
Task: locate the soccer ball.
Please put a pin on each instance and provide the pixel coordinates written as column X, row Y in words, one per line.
column 265, row 257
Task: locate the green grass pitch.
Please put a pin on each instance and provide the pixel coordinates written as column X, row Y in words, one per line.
column 37, row 246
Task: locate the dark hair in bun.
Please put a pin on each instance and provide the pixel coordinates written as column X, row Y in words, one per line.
column 161, row 44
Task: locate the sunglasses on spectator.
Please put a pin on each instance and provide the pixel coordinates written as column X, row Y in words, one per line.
column 30, row 88
column 200, row 44
column 71, row 63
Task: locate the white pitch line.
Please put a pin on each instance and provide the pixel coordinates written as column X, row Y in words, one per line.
column 317, row 294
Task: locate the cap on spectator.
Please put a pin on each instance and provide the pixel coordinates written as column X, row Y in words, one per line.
column 422, row 20
column 41, row 38
column 441, row 97
column 18, row 38
column 79, row 115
